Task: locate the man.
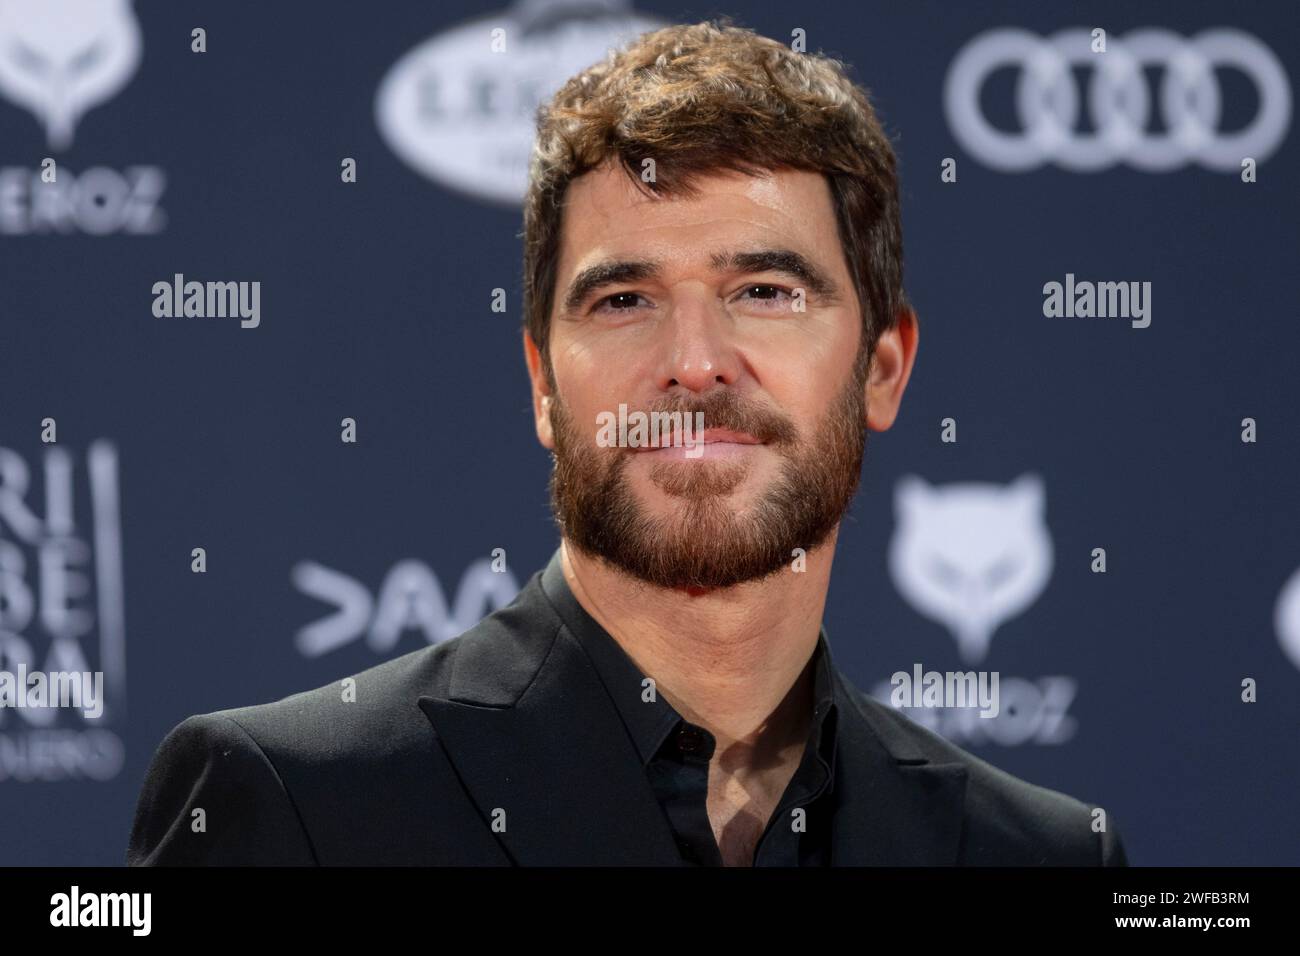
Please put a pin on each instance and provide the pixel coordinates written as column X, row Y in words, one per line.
column 712, row 226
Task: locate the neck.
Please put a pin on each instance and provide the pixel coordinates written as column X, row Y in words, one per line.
column 733, row 660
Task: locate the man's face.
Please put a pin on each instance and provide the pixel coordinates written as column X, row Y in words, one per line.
column 692, row 326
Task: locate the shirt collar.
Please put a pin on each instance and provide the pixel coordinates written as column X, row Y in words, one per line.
column 649, row 722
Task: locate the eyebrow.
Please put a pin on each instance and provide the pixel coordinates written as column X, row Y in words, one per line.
column 617, row 271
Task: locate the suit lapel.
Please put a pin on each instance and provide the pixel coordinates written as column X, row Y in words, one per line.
column 895, row 808
column 531, row 732
column 528, row 726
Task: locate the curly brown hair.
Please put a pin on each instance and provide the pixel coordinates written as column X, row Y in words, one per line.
column 707, row 97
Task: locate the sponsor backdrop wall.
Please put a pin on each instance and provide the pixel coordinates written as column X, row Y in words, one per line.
column 1165, row 435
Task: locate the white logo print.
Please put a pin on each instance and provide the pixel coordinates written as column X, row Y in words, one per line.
column 61, row 609
column 1286, row 617
column 459, row 108
column 410, row 597
column 58, row 58
column 1048, row 101
column 970, row 555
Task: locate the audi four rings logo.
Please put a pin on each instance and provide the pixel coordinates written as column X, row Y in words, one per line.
column 1047, row 99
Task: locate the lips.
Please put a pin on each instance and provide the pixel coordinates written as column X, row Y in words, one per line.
column 710, row 436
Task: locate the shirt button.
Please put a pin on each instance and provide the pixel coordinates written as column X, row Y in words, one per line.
column 690, row 740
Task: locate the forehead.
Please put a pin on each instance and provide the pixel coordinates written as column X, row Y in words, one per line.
column 606, row 213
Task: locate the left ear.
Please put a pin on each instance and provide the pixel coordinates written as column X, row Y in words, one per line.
column 891, row 366
column 542, row 395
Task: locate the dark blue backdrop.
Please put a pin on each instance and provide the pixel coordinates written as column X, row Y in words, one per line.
column 175, row 434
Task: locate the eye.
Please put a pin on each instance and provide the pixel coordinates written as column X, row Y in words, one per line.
column 769, row 296
column 944, row 572
column 29, row 58
column 1001, row 571
column 88, row 58
column 618, row 302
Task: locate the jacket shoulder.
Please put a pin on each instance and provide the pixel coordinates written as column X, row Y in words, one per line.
column 1007, row 820
column 370, row 712
column 211, row 796
column 324, row 775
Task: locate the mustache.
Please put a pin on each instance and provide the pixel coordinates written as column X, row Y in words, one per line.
column 727, row 409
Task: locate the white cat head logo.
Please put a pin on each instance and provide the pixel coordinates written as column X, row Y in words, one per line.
column 970, row 555
column 58, row 58
column 1286, row 617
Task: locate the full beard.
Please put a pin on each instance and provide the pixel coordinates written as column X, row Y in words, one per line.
column 705, row 542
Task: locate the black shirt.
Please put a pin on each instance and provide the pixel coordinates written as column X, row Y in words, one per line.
column 676, row 752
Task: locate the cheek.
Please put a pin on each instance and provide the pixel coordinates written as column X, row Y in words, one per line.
column 589, row 405
column 823, row 341
column 597, row 375
column 805, row 374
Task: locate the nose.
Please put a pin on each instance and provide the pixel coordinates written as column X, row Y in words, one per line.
column 699, row 349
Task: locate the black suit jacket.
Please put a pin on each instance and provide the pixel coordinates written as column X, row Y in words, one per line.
column 509, row 724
